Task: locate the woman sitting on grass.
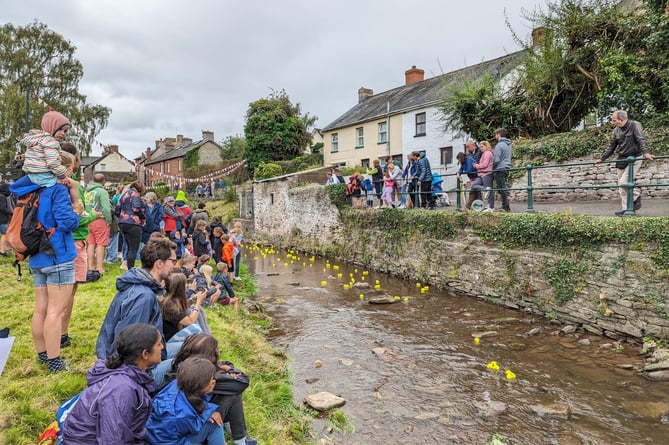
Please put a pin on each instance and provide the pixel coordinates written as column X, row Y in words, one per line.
column 116, row 404
column 180, row 320
column 182, row 414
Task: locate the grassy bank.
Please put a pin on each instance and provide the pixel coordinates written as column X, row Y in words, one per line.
column 29, row 395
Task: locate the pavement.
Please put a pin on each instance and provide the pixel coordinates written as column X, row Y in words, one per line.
column 649, row 207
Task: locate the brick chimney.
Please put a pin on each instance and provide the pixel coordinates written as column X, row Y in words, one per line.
column 148, row 153
column 364, row 93
column 537, row 36
column 180, row 139
column 207, row 135
column 113, row 149
column 414, row 75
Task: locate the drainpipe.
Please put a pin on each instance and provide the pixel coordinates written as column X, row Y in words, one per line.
column 388, row 126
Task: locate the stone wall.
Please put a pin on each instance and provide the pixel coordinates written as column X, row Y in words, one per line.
column 623, row 293
column 656, row 172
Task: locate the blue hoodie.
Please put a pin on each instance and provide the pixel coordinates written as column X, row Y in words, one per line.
column 54, row 211
column 173, row 418
column 112, row 409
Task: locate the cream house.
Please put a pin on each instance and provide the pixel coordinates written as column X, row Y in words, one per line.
column 404, row 119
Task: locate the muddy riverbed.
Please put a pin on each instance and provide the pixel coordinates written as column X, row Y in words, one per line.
column 421, row 371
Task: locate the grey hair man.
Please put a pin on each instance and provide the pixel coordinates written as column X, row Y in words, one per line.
column 627, row 140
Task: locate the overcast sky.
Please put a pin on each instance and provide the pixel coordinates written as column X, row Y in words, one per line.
column 168, row 67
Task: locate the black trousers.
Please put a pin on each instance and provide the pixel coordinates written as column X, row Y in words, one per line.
column 132, row 233
column 500, row 183
column 426, row 198
column 232, row 411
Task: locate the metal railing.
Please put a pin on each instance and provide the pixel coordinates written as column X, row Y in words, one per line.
column 530, row 188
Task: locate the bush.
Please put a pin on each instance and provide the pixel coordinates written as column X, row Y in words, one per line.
column 265, row 171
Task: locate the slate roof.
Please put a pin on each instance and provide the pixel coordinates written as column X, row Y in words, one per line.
column 180, row 152
column 420, row 94
column 88, row 160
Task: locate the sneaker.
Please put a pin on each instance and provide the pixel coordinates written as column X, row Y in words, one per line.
column 621, row 213
column 488, row 209
column 402, row 206
column 637, row 203
column 251, row 441
column 65, row 341
column 124, row 265
column 238, row 278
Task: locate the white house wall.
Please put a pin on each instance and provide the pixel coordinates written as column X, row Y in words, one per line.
column 433, row 140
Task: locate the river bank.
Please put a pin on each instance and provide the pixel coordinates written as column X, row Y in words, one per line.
column 29, row 395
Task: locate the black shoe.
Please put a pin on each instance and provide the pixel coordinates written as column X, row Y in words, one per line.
column 3, row 254
column 65, row 341
column 637, row 203
column 621, row 213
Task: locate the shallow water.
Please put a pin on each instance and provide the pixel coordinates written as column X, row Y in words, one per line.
column 434, row 386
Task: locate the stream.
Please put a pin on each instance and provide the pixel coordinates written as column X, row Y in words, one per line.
column 421, row 371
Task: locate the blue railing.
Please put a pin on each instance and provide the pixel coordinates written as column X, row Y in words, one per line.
column 530, row 188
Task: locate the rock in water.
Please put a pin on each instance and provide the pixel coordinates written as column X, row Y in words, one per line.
column 323, row 401
column 552, row 410
column 384, row 354
column 381, row 300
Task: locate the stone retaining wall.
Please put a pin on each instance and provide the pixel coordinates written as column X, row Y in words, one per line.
column 622, row 295
column 656, row 172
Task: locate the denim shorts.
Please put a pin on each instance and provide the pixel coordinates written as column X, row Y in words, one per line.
column 3, row 228
column 54, row 275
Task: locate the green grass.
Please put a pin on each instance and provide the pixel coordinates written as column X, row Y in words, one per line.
column 29, row 396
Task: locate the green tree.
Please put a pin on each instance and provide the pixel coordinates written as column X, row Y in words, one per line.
column 594, row 54
column 275, row 130
column 233, row 147
column 37, row 62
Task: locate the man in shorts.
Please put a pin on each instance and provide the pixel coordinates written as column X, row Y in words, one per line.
column 97, row 198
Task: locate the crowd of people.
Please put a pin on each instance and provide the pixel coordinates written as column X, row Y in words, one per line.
column 158, row 378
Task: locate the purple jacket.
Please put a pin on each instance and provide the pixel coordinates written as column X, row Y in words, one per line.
column 112, row 409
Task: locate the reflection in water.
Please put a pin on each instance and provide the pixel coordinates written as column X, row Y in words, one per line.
column 428, row 382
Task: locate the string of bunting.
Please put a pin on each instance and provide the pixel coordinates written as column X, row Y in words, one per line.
column 205, row 178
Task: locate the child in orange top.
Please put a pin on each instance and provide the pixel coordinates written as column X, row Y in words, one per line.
column 228, row 254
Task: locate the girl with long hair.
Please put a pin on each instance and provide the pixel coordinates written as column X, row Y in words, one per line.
column 182, row 413
column 230, row 384
column 179, row 319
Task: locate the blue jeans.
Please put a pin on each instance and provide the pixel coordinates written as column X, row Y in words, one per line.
column 211, row 432
column 174, row 344
column 480, row 184
column 112, row 248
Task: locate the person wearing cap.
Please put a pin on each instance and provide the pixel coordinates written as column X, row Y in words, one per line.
column 171, row 214
column 42, row 160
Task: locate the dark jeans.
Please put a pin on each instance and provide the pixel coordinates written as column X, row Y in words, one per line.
column 427, row 200
column 133, row 235
column 500, row 183
column 378, row 188
column 238, row 259
column 232, row 411
column 413, row 193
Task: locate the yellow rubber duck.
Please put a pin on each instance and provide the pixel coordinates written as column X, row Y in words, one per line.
column 493, row 365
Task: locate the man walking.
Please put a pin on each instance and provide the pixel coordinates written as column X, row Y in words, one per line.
column 501, row 163
column 627, row 140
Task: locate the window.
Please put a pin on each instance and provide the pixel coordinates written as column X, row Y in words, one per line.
column 103, row 167
column 361, row 137
column 179, row 164
column 420, row 124
column 169, row 167
column 446, row 155
column 161, row 168
column 365, row 163
column 383, row 132
column 335, row 142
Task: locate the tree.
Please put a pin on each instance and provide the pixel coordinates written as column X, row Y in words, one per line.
column 595, row 54
column 38, row 63
column 233, row 147
column 275, row 130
